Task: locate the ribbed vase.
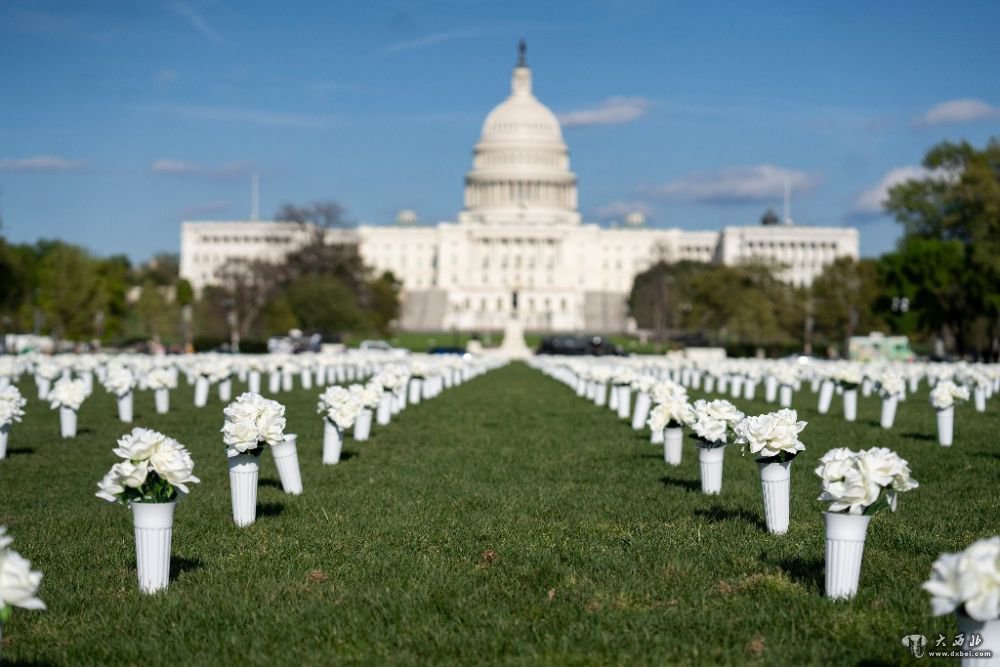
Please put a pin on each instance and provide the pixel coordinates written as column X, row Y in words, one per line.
column 286, row 460
column 710, row 461
column 154, row 528
column 67, row 422
column 125, row 408
column 785, row 396
column 384, row 414
column 641, row 411
column 201, row 392
column 333, row 441
column 946, row 426
column 851, row 404
column 162, row 399
column 226, row 390
column 845, row 546
column 825, row 397
column 243, row 473
column 776, row 484
column 363, row 425
column 673, row 441
column 888, row 417
column 988, row 631
column 253, row 382
column 624, row 401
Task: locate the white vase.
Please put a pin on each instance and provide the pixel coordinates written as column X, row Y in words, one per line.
column 287, row 381
column 154, row 528
column 253, row 382
column 845, row 546
column 785, row 396
column 709, row 384
column 286, row 460
column 613, row 398
column 673, row 441
column 384, row 414
column 601, row 394
column 946, row 426
column 201, row 392
column 243, row 473
column 226, row 390
column 4, row 436
column 44, row 387
column 770, row 388
column 710, row 461
column 851, row 404
column 624, row 401
column 825, row 397
column 656, row 436
column 888, row 417
column 988, row 631
column 749, row 390
column 414, row 389
column 333, row 442
column 162, row 399
column 273, row 382
column 641, row 411
column 125, row 408
column 306, row 378
column 979, row 396
column 736, row 387
column 363, row 425
column 776, row 483
column 67, row 422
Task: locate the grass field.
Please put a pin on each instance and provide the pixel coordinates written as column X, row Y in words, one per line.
column 506, row 522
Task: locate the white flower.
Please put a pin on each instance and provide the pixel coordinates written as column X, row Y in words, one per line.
column 945, row 393
column 771, row 434
column 172, row 462
column 643, row 383
column 158, row 378
column 970, row 579
column 712, row 420
column 11, row 405
column 68, row 394
column 853, row 481
column 140, row 444
column 119, row 380
column 891, row 385
column 48, row 370
column 250, row 420
column 674, row 412
column 18, row 582
column 848, row 376
column 340, row 406
column 123, row 475
column 665, row 390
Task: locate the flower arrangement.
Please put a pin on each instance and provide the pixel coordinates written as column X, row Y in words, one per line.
column 67, row 394
column 48, row 370
column 252, row 420
column 891, row 384
column 18, row 582
column 968, row 581
column 158, row 378
column 945, row 393
column 154, row 469
column 863, row 482
column 623, row 376
column 672, row 413
column 773, row 436
column 713, row 420
column 11, row 405
column 340, row 406
column 662, row 391
column 367, row 395
column 848, row 376
column 119, row 381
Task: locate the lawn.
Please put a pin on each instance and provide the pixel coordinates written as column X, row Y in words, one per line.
column 507, row 521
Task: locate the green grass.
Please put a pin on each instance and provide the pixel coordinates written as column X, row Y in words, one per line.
column 506, row 522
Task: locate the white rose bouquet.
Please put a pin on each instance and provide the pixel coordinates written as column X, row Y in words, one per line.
column 665, row 390
column 643, row 383
column 773, row 436
column 252, row 420
column 367, row 395
column 674, row 413
column 713, row 420
column 848, row 376
column 119, row 381
column 945, row 393
column 48, row 370
column 18, row 582
column 854, row 482
column 68, row 394
column 969, row 581
column 154, row 469
column 11, row 405
column 891, row 385
column 157, row 378
column 623, row 376
column 340, row 406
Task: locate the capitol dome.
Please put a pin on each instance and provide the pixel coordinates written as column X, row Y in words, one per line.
column 520, row 170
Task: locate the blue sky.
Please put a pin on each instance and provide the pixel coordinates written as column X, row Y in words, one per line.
column 120, row 119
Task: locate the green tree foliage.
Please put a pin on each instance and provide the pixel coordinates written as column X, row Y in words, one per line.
column 846, row 300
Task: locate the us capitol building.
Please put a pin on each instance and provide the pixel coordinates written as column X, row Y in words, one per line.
column 520, row 232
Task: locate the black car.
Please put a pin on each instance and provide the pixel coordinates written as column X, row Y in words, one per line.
column 597, row 346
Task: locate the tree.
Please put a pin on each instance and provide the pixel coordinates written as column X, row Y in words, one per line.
column 846, row 298
column 958, row 201
column 70, row 290
column 323, row 214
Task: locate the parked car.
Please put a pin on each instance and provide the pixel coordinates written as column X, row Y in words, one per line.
column 579, row 346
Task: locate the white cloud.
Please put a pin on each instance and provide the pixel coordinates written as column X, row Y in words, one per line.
column 195, row 20
column 250, row 116
column 619, row 209
column 612, row 111
column 871, row 200
column 41, row 163
column 958, row 111
column 174, row 167
column 735, row 185
column 432, row 40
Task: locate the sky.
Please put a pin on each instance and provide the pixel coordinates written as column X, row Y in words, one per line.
column 119, row 119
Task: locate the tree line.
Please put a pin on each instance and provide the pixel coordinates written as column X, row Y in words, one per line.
column 940, row 286
column 64, row 291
